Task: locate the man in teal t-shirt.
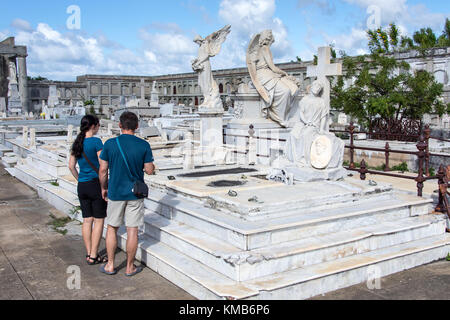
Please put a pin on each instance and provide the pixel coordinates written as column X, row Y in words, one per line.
column 118, row 191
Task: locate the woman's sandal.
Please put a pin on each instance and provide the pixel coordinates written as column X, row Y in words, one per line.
column 97, row 260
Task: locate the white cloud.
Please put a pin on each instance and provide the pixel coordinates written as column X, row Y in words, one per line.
column 353, row 43
column 408, row 17
column 21, row 25
column 248, row 17
column 326, row 6
column 63, row 56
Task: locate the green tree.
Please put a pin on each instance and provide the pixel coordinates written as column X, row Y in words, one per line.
column 92, row 110
column 383, row 87
column 425, row 39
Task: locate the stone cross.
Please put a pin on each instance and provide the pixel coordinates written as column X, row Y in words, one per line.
column 323, row 70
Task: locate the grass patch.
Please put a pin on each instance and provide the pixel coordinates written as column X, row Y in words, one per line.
column 59, row 224
column 448, row 257
column 401, row 167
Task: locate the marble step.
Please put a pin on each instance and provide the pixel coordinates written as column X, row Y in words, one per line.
column 31, row 177
column 68, row 183
column 63, row 200
column 205, row 283
column 9, row 160
column 249, row 235
column 246, row 265
column 50, row 166
column 4, row 150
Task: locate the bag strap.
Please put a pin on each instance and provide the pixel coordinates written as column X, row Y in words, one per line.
column 124, row 159
column 89, row 162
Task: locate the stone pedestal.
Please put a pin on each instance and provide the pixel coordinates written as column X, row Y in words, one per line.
column 249, row 112
column 211, row 128
column 310, row 175
column 14, row 101
column 211, row 132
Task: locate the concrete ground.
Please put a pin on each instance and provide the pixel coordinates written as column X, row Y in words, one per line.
column 35, row 260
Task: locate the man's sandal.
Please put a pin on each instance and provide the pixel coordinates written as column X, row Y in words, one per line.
column 97, row 260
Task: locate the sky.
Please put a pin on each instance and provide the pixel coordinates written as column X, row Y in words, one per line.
column 148, row 37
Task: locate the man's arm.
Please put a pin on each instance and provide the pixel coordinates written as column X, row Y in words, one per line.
column 149, row 168
column 103, row 176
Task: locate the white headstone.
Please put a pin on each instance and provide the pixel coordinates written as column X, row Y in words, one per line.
column 342, row 119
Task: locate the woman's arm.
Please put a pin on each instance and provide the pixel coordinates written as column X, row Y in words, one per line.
column 268, row 57
column 73, row 166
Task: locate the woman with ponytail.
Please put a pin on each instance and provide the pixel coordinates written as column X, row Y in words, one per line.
column 86, row 151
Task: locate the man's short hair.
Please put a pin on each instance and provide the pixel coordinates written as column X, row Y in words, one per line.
column 129, row 121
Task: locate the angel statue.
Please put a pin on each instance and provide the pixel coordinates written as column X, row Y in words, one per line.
column 209, row 47
column 275, row 86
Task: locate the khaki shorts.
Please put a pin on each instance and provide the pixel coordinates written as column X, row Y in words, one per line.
column 132, row 211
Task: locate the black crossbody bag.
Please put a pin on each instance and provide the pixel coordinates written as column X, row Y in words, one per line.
column 140, row 189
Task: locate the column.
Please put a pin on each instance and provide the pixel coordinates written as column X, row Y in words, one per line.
column 23, row 83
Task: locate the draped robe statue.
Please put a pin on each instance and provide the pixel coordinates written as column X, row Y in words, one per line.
column 312, row 153
column 310, row 143
column 274, row 85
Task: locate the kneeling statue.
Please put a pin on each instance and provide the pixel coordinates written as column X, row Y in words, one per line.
column 312, row 153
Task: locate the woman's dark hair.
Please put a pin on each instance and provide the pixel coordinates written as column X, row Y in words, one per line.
column 86, row 124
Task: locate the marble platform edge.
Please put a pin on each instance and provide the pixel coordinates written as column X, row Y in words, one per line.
column 213, row 286
column 241, row 265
